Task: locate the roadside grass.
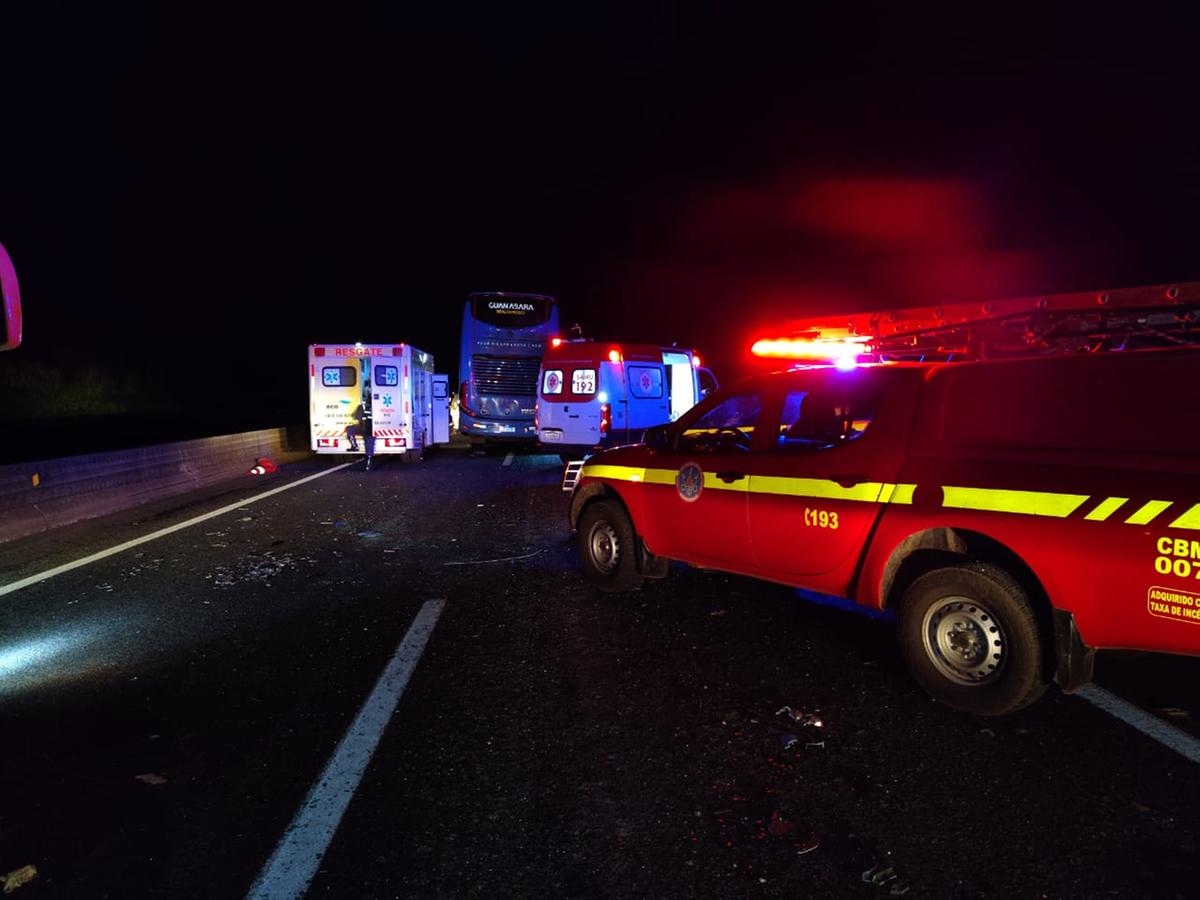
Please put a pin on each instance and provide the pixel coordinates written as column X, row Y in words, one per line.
column 36, row 390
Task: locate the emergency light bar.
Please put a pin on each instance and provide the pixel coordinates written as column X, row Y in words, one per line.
column 842, row 352
column 1130, row 318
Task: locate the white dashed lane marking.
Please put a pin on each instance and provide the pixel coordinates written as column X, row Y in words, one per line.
column 294, row 863
column 1153, row 727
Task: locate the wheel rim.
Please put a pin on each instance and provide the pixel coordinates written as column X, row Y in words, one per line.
column 605, row 547
column 964, row 640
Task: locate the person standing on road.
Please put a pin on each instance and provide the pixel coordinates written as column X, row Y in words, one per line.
column 360, row 425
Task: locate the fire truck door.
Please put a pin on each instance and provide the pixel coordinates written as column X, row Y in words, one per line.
column 827, row 475
column 695, row 495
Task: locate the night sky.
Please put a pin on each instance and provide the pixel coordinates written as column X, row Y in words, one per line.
column 194, row 192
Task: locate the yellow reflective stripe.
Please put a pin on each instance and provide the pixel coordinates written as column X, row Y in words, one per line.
column 1030, row 503
column 1148, row 512
column 903, row 494
column 1190, row 519
column 821, row 488
column 1106, row 509
column 661, row 476
column 616, row 473
column 712, row 481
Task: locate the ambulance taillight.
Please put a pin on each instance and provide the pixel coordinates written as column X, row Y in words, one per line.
column 605, row 417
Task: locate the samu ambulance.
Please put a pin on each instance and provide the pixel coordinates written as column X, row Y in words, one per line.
column 409, row 405
column 1018, row 510
column 595, row 394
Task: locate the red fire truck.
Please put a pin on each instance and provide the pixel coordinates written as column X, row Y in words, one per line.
column 1018, row 481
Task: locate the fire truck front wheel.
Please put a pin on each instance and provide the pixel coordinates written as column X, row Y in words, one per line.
column 607, row 547
column 970, row 637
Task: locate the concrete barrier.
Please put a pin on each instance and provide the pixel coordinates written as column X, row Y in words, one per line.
column 37, row 496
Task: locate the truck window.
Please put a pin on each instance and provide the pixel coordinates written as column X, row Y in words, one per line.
column 387, row 376
column 728, row 425
column 338, row 376
column 646, row 382
column 826, row 416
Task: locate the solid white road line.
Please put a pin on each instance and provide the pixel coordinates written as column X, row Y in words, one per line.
column 507, row 460
column 294, row 863
column 1151, row 726
column 153, row 536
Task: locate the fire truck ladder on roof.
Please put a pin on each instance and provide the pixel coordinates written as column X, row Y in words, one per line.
column 1129, row 318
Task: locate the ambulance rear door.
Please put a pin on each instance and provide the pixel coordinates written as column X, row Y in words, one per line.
column 681, row 382
column 335, row 390
column 386, row 403
column 441, row 409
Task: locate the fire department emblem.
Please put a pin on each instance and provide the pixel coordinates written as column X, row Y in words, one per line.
column 689, row 482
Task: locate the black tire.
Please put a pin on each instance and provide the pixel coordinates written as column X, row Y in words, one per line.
column 607, row 547
column 970, row 637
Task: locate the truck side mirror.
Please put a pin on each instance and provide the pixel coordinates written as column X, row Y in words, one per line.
column 10, row 304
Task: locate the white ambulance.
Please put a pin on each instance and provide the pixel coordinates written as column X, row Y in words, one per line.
column 408, row 404
column 593, row 395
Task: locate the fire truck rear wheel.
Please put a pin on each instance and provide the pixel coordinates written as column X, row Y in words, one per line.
column 971, row 638
column 607, row 547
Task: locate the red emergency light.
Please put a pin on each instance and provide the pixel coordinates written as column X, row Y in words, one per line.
column 843, row 352
column 695, row 360
column 555, row 342
column 614, row 355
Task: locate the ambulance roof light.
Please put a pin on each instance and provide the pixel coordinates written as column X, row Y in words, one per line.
column 695, row 360
column 614, row 355
column 556, row 342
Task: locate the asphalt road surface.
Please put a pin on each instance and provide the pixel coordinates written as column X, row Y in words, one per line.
column 165, row 712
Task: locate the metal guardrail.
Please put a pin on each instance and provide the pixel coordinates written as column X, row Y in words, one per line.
column 38, row 496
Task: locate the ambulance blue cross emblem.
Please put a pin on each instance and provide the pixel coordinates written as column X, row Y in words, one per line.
column 689, row 482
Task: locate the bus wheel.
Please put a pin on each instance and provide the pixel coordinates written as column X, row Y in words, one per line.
column 970, row 637
column 607, row 547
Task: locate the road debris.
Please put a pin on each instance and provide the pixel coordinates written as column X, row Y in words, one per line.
column 883, row 874
column 370, row 534
column 780, row 827
column 480, row 562
column 808, row 843
column 18, row 878
column 151, row 778
column 788, row 741
column 801, row 718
